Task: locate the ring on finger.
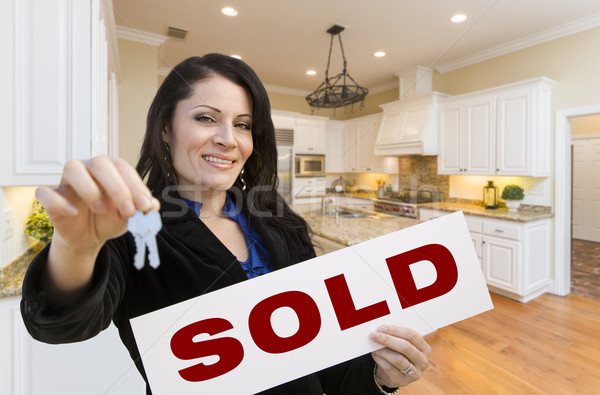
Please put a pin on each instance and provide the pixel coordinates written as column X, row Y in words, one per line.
column 409, row 370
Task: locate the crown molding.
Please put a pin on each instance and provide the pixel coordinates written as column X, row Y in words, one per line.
column 153, row 39
column 285, row 90
column 544, row 36
column 387, row 86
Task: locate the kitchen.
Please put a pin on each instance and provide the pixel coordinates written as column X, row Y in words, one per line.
column 566, row 60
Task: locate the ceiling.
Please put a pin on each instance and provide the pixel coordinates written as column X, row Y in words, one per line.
column 282, row 39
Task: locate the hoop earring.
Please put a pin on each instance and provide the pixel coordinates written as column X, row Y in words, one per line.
column 242, row 180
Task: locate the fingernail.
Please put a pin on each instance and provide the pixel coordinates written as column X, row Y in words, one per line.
column 100, row 206
column 127, row 208
column 375, row 336
column 383, row 329
column 70, row 210
column 144, row 203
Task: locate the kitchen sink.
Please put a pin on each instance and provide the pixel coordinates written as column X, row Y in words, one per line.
column 353, row 214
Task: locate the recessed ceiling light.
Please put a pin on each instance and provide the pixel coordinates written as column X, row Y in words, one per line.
column 379, row 54
column 229, row 11
column 311, row 72
column 458, row 18
column 236, row 56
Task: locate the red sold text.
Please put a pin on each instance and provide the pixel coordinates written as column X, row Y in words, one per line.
column 231, row 351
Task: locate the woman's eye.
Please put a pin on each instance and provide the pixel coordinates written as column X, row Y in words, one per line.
column 243, row 125
column 204, row 119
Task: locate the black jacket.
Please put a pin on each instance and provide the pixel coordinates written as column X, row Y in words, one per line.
column 193, row 262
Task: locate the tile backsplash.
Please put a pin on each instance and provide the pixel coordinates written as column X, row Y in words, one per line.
column 418, row 172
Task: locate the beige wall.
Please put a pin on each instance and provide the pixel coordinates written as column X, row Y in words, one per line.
column 585, row 125
column 572, row 61
column 139, row 65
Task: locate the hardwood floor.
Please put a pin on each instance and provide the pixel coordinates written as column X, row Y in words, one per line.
column 547, row 346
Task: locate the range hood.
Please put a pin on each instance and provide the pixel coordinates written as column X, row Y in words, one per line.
column 409, row 125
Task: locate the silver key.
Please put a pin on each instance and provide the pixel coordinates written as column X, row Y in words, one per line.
column 144, row 228
column 154, row 224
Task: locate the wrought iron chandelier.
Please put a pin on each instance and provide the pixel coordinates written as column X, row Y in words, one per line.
column 341, row 90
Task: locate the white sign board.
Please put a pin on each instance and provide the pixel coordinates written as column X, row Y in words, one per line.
column 307, row 317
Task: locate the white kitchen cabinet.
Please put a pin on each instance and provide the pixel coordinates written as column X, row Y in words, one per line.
column 515, row 256
column 467, row 136
column 501, row 131
column 334, row 147
column 308, row 187
column 309, row 136
column 350, row 148
column 285, row 120
column 60, row 94
column 360, row 134
column 426, row 214
column 99, row 365
column 357, row 203
column 501, row 262
column 523, row 130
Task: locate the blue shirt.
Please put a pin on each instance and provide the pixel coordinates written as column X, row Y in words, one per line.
column 258, row 258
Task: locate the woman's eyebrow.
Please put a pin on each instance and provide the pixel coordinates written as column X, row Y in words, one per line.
column 207, row 106
column 217, row 110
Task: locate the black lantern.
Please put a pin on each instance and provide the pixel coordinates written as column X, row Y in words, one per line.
column 340, row 90
column 490, row 196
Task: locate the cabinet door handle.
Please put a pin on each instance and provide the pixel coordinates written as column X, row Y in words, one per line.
column 498, row 231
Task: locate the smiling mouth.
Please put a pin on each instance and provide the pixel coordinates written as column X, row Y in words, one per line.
column 217, row 160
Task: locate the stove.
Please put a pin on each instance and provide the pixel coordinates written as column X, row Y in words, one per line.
column 406, row 204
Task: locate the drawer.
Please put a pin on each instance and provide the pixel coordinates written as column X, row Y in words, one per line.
column 501, row 229
column 475, row 225
column 309, row 181
column 309, row 191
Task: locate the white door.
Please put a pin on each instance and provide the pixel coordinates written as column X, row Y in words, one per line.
column 586, row 189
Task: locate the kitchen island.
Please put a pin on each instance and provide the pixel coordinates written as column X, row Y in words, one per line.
column 350, row 231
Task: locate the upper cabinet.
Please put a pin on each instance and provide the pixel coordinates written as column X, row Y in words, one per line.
column 466, row 136
column 334, row 147
column 60, row 96
column 502, row 131
column 309, row 136
column 359, row 152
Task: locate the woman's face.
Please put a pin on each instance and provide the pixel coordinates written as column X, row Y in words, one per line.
column 210, row 137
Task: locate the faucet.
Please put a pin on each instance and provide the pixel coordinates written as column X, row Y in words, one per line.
column 325, row 202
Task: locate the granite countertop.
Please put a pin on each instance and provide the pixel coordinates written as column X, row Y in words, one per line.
column 11, row 275
column 525, row 213
column 350, row 231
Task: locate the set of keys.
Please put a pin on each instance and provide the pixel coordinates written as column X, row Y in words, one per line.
column 144, row 228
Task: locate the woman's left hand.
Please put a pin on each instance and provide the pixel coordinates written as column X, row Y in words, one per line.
column 403, row 348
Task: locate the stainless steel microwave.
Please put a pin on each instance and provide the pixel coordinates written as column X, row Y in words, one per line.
column 310, row 165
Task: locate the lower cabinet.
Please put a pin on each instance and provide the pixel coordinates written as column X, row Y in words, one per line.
column 357, row 203
column 514, row 256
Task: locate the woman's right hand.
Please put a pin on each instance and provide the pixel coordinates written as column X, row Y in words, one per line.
column 91, row 205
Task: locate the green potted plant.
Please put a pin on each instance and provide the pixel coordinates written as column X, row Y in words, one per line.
column 38, row 224
column 513, row 195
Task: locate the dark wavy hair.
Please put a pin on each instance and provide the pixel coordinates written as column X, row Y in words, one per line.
column 260, row 170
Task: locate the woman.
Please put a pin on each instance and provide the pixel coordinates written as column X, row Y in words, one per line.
column 209, row 158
